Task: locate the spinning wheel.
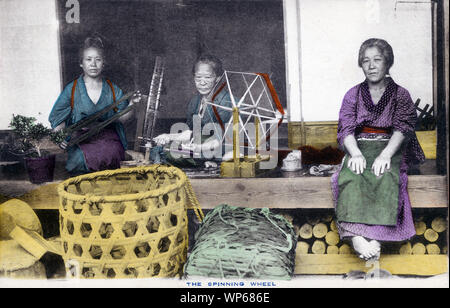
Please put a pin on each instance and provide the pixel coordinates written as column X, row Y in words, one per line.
column 255, row 100
column 257, row 114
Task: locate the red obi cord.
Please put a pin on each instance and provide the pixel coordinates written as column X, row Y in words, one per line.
column 375, row 130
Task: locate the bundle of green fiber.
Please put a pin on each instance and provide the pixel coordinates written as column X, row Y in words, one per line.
column 237, row 242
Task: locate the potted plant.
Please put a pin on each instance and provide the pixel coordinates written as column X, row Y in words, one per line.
column 29, row 139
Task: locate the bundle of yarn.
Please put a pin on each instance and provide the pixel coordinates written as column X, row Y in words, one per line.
column 237, row 242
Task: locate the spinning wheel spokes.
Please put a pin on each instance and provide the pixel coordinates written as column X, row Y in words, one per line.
column 255, row 98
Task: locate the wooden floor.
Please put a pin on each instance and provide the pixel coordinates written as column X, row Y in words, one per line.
column 425, row 191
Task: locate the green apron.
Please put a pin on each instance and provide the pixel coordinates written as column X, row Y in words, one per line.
column 365, row 198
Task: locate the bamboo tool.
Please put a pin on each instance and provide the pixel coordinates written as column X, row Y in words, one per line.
column 152, row 109
column 92, row 124
column 31, row 241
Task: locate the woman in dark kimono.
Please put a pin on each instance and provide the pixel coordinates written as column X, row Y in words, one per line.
column 376, row 129
column 207, row 71
column 86, row 95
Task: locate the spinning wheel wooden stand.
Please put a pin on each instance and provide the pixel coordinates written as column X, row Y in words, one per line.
column 253, row 97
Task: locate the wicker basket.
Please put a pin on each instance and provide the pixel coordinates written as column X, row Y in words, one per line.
column 125, row 223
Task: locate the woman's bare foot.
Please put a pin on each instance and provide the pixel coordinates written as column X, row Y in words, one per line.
column 366, row 250
column 361, row 246
column 376, row 249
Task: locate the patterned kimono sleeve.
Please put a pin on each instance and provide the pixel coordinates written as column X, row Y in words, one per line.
column 405, row 116
column 347, row 116
column 61, row 109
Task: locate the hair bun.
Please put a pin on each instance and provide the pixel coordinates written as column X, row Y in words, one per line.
column 93, row 41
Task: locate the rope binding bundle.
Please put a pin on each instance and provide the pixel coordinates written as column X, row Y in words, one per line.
column 236, row 242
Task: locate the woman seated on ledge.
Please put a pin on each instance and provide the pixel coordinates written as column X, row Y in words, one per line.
column 376, row 128
column 84, row 97
column 207, row 71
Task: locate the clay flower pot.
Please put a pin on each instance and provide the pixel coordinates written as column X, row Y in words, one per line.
column 40, row 169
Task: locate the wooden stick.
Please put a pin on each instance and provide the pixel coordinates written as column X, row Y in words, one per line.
column 332, row 250
column 431, row 235
column 406, row 249
column 313, row 220
column 320, row 230
column 327, row 218
column 332, row 238
column 302, row 248
column 305, row 231
column 418, row 249
column 333, row 226
column 433, row 249
column 318, row 247
column 421, row 227
column 345, row 249
column 439, row 224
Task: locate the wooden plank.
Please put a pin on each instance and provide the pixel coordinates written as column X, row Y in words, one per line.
column 424, row 265
column 425, row 191
column 427, row 140
column 316, row 134
column 303, row 192
column 322, row 134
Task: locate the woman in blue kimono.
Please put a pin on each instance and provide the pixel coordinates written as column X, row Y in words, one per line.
column 83, row 97
column 207, row 71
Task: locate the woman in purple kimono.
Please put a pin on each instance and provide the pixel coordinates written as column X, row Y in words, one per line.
column 83, row 97
column 376, row 129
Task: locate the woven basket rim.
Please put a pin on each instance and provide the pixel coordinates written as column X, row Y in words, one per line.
column 61, row 188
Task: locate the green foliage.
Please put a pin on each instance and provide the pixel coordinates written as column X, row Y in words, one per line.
column 57, row 137
column 30, row 135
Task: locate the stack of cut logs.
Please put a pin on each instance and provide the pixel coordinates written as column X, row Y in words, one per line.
column 430, row 238
column 318, row 234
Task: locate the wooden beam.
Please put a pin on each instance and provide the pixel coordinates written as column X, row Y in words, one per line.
column 304, row 192
column 321, row 134
column 421, row 265
column 425, row 191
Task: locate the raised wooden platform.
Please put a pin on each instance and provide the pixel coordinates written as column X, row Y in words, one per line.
column 419, row 265
column 425, row 191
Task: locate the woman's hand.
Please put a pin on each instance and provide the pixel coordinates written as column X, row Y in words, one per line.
column 63, row 145
column 210, row 145
column 381, row 164
column 136, row 98
column 162, row 139
column 184, row 136
column 357, row 164
column 59, row 127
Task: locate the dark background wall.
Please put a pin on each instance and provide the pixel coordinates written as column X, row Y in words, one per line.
column 245, row 35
